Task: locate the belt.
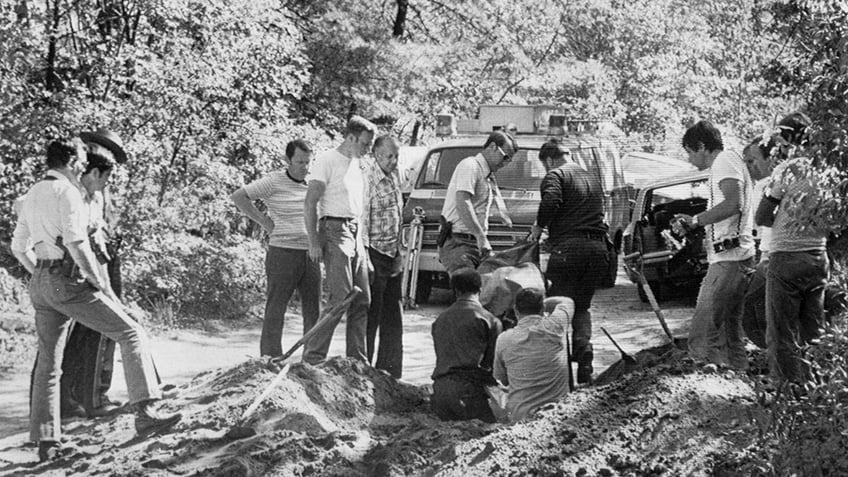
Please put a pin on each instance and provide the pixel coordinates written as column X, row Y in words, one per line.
column 463, row 236
column 48, row 263
column 339, row 219
column 586, row 235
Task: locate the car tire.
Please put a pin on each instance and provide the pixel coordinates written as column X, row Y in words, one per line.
column 657, row 287
column 423, row 288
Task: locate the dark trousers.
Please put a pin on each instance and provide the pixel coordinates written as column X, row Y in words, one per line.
column 286, row 270
column 576, row 269
column 795, row 289
column 754, row 308
column 386, row 313
column 458, row 253
column 456, row 399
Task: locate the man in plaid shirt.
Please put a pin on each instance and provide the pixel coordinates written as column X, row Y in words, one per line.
column 382, row 223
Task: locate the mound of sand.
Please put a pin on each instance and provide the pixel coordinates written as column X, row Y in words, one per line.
column 665, row 417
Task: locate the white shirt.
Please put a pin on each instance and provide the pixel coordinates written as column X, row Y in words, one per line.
column 345, row 185
column 51, row 208
column 729, row 165
column 469, row 176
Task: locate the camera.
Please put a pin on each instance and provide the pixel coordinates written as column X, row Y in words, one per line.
column 726, row 244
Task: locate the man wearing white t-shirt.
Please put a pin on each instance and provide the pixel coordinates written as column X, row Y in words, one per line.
column 715, row 333
column 465, row 213
column 336, row 196
column 287, row 265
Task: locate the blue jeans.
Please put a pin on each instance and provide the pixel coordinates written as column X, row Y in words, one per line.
column 344, row 266
column 55, row 298
column 576, row 269
column 715, row 333
column 795, row 288
column 288, row 269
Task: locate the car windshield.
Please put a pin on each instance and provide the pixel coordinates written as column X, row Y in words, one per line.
column 524, row 172
column 689, row 190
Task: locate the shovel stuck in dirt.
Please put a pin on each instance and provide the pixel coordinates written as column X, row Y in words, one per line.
column 626, row 358
column 331, row 316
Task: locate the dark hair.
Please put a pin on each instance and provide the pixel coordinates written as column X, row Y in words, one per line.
column 382, row 140
column 553, row 150
column 59, row 153
column 466, row 280
column 793, row 127
column 500, row 139
column 703, row 133
column 357, row 125
column 292, row 146
column 530, row 301
column 98, row 157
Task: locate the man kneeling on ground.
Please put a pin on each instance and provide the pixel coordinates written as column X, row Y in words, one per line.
column 464, row 337
column 532, row 358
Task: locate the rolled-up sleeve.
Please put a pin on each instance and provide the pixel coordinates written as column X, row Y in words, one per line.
column 551, row 189
column 21, row 236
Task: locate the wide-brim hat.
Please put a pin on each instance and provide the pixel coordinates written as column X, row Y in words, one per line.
column 109, row 140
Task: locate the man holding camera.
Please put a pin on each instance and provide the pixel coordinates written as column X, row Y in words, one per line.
column 715, row 333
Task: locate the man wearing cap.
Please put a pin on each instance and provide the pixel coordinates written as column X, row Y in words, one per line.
column 336, row 195
column 89, row 356
column 572, row 210
column 53, row 221
column 465, row 213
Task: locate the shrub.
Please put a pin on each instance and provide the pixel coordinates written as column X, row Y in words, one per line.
column 199, row 278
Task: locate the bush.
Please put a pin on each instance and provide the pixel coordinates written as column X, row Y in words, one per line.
column 200, row 278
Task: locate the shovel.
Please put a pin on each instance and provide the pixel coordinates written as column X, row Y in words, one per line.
column 626, row 358
column 331, row 317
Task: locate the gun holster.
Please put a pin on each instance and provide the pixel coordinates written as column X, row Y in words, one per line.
column 69, row 266
column 445, row 231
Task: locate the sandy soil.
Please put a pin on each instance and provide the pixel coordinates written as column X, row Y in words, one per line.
column 344, row 418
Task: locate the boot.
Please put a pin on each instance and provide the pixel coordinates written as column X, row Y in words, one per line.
column 149, row 420
column 49, row 450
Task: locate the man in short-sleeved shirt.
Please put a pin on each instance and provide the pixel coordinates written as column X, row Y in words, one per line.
column 333, row 211
column 532, row 358
column 715, row 333
column 469, row 197
column 287, row 266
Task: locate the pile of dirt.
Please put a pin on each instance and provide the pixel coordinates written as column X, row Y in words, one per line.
column 668, row 417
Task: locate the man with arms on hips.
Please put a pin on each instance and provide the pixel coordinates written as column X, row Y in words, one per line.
column 465, row 213
column 464, row 338
column 532, row 358
column 715, row 333
column 336, row 195
column 798, row 263
column 382, row 223
column 572, row 210
column 287, row 264
column 54, row 219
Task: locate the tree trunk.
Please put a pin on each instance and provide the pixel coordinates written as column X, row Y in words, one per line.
column 51, row 80
column 400, row 18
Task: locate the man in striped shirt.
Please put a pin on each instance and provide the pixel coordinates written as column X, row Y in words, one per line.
column 381, row 224
column 287, row 265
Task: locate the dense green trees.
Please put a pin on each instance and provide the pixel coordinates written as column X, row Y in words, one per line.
column 206, row 93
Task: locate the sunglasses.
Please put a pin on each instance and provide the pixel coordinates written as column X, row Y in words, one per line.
column 506, row 157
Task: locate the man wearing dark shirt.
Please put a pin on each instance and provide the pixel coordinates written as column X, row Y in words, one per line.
column 572, row 211
column 464, row 338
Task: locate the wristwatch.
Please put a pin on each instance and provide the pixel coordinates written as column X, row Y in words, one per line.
column 695, row 222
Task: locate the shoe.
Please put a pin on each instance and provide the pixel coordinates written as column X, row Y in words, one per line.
column 107, row 408
column 49, row 450
column 149, row 420
column 71, row 409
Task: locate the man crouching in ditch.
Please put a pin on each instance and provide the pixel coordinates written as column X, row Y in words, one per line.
column 464, row 338
column 67, row 281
